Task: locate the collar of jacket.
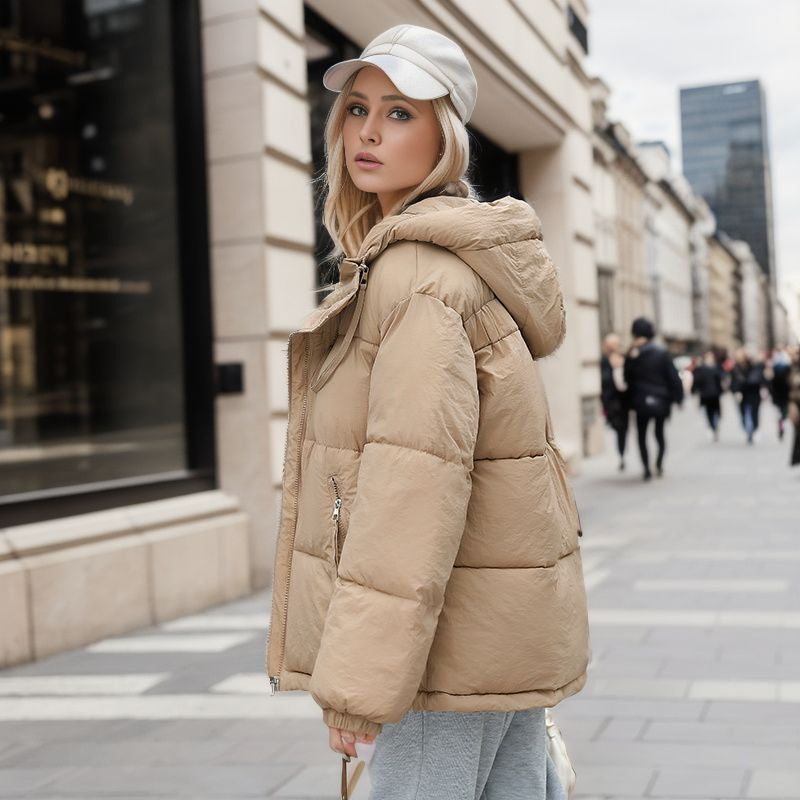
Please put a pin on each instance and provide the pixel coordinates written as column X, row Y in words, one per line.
column 341, row 346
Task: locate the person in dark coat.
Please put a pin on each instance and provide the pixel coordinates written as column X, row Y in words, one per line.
column 653, row 386
column 707, row 383
column 794, row 403
column 778, row 381
column 747, row 381
column 614, row 395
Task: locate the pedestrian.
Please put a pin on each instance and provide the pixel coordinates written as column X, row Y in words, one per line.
column 428, row 587
column 747, row 382
column 614, row 392
column 654, row 385
column 777, row 375
column 794, row 403
column 707, row 384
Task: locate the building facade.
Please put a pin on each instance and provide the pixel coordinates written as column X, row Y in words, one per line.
column 724, row 296
column 621, row 185
column 755, row 302
column 159, row 166
column 726, row 158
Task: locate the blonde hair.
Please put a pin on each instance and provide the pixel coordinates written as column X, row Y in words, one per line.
column 349, row 213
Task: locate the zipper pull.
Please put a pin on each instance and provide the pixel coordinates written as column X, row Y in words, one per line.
column 274, row 684
column 336, row 506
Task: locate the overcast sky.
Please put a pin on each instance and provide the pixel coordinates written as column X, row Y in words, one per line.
column 646, row 50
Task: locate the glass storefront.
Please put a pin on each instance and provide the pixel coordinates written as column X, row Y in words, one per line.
column 93, row 329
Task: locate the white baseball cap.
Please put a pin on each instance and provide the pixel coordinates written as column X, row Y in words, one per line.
column 420, row 62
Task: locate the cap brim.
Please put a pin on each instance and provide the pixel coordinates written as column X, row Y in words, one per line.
column 410, row 79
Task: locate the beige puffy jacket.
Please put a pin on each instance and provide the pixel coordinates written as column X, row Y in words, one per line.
column 428, row 553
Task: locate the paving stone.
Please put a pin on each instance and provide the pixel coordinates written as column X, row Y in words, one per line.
column 698, row 783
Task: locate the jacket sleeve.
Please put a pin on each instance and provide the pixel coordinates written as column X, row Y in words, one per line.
column 406, row 520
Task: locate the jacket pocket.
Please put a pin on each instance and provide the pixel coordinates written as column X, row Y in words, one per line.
column 337, row 534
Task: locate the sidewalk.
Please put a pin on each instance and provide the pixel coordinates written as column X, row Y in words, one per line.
column 694, row 687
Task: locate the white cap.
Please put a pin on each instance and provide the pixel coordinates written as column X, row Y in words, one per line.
column 420, row 62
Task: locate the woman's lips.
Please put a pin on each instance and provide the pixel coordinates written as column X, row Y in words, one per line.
column 368, row 164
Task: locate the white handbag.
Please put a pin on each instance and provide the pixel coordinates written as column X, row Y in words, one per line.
column 557, row 751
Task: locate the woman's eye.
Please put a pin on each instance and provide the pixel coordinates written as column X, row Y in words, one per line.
column 402, row 111
column 352, row 109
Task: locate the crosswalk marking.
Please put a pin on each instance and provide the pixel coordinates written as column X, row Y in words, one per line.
column 693, row 689
column 205, row 643
column 243, row 683
column 289, row 705
column 660, row 556
column 657, row 618
column 709, row 585
column 79, row 684
column 219, row 622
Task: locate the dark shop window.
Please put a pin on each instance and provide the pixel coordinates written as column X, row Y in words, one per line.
column 104, row 298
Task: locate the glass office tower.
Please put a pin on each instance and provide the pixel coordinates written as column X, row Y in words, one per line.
column 726, row 159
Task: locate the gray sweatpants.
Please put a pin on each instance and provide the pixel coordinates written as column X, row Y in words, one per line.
column 457, row 755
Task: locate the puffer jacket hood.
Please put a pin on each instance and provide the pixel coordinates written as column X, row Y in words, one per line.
column 502, row 242
column 428, row 550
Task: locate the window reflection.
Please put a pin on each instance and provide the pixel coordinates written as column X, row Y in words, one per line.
column 91, row 383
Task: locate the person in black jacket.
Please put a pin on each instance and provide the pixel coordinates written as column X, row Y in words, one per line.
column 613, row 393
column 707, row 383
column 654, row 385
column 794, row 402
column 747, row 381
column 777, row 374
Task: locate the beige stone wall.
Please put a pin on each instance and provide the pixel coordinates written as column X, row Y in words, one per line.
column 722, row 296
column 262, row 237
column 634, row 289
column 67, row 582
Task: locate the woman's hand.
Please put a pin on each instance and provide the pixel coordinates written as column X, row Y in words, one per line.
column 344, row 742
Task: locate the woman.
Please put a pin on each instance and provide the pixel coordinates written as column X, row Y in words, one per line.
column 707, row 384
column 654, row 385
column 747, row 381
column 428, row 583
column 777, row 376
column 614, row 392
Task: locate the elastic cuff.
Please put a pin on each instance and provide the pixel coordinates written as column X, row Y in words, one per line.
column 350, row 722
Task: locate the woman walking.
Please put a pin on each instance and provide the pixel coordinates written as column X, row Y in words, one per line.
column 747, row 381
column 614, row 394
column 654, row 385
column 428, row 585
column 707, row 384
column 777, row 375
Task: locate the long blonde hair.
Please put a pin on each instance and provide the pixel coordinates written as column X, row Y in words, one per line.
column 350, row 213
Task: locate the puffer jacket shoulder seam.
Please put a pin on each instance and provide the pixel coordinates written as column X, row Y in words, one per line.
column 455, row 254
column 480, row 308
column 495, row 341
column 407, row 298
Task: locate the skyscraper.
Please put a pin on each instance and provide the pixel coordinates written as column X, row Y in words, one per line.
column 726, row 159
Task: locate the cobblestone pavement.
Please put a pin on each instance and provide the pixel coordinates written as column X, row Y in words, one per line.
column 694, row 687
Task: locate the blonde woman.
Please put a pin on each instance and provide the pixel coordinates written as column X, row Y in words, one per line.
column 428, row 588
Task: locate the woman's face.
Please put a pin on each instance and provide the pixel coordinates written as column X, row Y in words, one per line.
column 401, row 133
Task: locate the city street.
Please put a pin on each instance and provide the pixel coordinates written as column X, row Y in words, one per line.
column 693, row 692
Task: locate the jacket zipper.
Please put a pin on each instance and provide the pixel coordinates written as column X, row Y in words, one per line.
column 274, row 680
column 337, row 507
